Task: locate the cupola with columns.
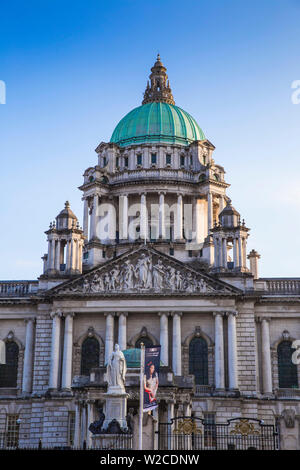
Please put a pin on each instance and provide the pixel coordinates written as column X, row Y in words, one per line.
column 230, row 234
column 65, row 243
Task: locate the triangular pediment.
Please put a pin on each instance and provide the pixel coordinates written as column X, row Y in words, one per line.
column 143, row 271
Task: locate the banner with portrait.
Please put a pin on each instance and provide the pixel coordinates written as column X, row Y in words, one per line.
column 151, row 371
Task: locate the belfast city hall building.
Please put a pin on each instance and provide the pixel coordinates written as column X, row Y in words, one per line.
column 159, row 258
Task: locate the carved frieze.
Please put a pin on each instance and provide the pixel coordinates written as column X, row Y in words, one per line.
column 143, row 271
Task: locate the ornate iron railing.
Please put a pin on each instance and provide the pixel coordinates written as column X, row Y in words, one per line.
column 186, row 433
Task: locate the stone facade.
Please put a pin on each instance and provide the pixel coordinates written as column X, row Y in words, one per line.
column 185, row 280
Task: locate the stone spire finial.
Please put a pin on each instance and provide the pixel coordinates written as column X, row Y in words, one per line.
column 159, row 89
column 67, row 204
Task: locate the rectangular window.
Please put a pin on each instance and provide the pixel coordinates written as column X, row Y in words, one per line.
column 139, row 159
column 191, row 160
column 12, row 431
column 190, row 254
column 153, row 159
column 104, row 161
column 182, row 160
column 103, row 254
column 168, row 159
column 71, row 428
column 171, row 251
column 126, row 162
column 117, row 162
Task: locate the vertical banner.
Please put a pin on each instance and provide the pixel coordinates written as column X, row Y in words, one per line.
column 151, row 371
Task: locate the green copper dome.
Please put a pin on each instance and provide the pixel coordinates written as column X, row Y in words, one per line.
column 157, row 122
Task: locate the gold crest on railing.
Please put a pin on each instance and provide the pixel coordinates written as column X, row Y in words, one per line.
column 245, row 428
column 187, row 426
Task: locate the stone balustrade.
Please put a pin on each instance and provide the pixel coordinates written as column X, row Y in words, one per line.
column 155, row 173
column 282, row 286
column 18, row 288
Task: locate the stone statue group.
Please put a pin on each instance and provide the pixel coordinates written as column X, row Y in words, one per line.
column 144, row 275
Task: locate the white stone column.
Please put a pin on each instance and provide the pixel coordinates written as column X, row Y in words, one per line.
column 111, row 215
column 194, row 220
column 266, row 356
column 122, row 335
column 57, row 256
column 83, row 424
column 244, row 244
column 209, row 211
column 49, row 255
column 72, row 254
column 90, row 420
column 68, row 350
column 220, row 258
column 93, row 233
column 68, row 254
column 86, row 218
column 109, row 335
column 164, row 338
column 240, row 258
column 179, row 218
column 232, row 351
column 55, row 349
column 143, row 218
column 221, row 204
column 235, row 257
column 78, row 255
column 162, row 222
column 216, row 252
column 219, row 351
column 123, row 217
column 52, row 265
column 176, row 346
column 224, row 251
column 28, row 358
column 77, row 424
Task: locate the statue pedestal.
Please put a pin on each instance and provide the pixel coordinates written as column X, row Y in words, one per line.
column 116, row 407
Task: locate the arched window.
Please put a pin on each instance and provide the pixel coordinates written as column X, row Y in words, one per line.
column 90, row 351
column 144, row 339
column 9, row 370
column 287, row 371
column 198, row 360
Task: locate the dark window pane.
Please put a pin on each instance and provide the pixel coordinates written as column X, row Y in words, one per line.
column 90, row 351
column 153, row 158
column 198, row 360
column 288, row 377
column 146, row 340
column 9, row 371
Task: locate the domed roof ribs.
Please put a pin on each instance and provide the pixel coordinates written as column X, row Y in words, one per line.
column 159, row 89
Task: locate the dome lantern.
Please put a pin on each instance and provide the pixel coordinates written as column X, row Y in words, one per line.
column 160, row 90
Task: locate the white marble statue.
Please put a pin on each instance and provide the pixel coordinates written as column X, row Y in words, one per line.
column 116, row 370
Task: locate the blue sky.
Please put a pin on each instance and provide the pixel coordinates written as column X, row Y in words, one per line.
column 73, row 69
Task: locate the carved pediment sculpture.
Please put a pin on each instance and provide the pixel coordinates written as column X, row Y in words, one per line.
column 143, row 271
